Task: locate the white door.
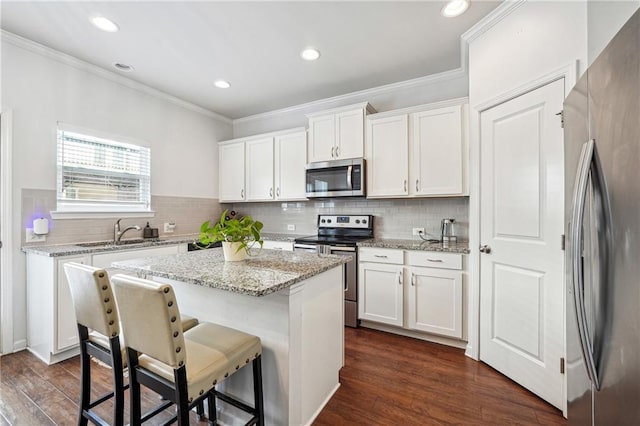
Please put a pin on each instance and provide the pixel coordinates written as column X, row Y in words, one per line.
column 259, row 172
column 380, row 293
column 322, row 138
column 388, row 156
column 350, row 134
column 231, row 175
column 521, row 207
column 290, row 161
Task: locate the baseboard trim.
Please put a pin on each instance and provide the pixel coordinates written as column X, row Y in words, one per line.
column 461, row 344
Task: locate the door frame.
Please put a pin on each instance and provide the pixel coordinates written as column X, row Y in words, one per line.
column 6, row 264
column 569, row 73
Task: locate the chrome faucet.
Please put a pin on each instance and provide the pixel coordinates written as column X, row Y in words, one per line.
column 117, row 233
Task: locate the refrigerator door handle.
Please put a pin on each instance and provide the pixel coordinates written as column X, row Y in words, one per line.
column 577, row 277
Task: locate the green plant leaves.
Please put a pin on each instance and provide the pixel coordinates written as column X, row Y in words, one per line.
column 245, row 231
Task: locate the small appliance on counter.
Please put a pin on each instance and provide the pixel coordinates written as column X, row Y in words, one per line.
column 447, row 234
column 149, row 232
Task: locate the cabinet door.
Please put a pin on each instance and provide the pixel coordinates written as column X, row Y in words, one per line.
column 437, row 151
column 291, row 158
column 259, row 173
column 435, row 301
column 231, row 172
column 380, row 289
column 350, row 134
column 388, row 157
column 65, row 316
column 322, row 138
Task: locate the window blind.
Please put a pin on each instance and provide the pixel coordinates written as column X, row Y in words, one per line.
column 97, row 174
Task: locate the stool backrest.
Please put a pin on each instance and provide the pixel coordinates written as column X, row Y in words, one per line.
column 93, row 299
column 150, row 319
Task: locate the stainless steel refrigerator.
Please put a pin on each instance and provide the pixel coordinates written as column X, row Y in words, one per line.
column 602, row 175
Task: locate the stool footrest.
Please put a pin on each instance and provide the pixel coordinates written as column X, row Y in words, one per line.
column 238, row 404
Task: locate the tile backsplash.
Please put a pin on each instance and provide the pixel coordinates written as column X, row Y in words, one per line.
column 188, row 213
column 393, row 218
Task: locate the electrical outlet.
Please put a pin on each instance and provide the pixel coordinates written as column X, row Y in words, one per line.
column 418, row 231
column 291, row 227
column 30, row 237
column 169, row 227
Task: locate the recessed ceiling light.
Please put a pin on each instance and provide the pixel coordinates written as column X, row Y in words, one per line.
column 105, row 24
column 454, row 8
column 123, row 67
column 222, row 84
column 310, row 54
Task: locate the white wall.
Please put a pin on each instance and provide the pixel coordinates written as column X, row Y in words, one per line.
column 41, row 90
column 439, row 87
column 535, row 39
column 604, row 19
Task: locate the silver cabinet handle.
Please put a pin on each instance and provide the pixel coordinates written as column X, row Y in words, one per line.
column 416, row 185
column 242, row 194
column 577, row 279
column 383, row 256
column 277, row 191
column 435, row 260
column 333, row 148
column 337, row 151
column 271, row 192
column 413, row 279
column 485, row 249
column 400, row 278
column 405, row 185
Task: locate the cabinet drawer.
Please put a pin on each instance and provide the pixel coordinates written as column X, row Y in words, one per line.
column 278, row 245
column 380, row 255
column 434, row 259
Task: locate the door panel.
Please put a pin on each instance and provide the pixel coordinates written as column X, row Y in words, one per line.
column 259, row 172
column 522, row 215
column 380, row 293
column 388, row 156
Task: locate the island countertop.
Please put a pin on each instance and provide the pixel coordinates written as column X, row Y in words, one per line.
column 268, row 272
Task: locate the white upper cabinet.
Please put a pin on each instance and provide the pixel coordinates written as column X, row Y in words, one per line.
column 418, row 152
column 264, row 167
column 338, row 133
column 438, row 147
column 388, row 156
column 231, row 172
column 259, row 172
column 290, row 162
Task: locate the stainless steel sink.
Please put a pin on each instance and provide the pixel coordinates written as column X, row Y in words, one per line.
column 113, row 243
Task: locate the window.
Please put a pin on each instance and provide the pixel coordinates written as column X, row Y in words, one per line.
column 96, row 174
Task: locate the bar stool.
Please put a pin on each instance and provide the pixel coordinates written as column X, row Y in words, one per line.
column 182, row 367
column 100, row 337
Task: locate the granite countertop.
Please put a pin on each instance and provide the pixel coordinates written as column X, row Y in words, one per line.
column 106, row 246
column 275, row 236
column 457, row 247
column 267, row 272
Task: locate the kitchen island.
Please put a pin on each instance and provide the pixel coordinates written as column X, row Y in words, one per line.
column 293, row 301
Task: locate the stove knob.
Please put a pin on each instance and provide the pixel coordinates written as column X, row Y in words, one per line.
column 358, row 221
column 328, row 220
column 364, row 221
column 323, row 221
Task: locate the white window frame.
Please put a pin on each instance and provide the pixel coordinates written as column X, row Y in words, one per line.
column 78, row 210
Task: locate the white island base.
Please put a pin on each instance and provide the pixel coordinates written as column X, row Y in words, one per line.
column 302, row 334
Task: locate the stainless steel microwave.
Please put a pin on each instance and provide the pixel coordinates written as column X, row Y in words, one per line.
column 338, row 178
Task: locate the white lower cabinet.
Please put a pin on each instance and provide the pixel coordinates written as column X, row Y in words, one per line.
column 277, row 245
column 52, row 331
column 416, row 290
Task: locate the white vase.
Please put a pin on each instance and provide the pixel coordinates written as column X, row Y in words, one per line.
column 231, row 252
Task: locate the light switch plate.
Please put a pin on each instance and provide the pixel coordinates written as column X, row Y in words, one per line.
column 30, row 237
column 291, row 227
column 418, row 231
column 169, row 227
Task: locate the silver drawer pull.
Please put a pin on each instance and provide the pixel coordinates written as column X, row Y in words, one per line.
column 383, row 256
column 435, row 260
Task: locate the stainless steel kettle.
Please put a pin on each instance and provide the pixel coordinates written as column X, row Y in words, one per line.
column 446, row 231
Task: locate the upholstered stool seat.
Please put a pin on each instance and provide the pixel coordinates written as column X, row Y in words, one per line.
column 99, row 331
column 183, row 367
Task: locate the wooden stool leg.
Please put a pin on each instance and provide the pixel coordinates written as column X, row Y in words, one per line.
column 118, row 382
column 257, row 389
column 200, row 410
column 134, row 389
column 85, row 384
column 211, row 408
column 182, row 398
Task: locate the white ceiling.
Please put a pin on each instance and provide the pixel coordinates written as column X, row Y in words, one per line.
column 181, row 48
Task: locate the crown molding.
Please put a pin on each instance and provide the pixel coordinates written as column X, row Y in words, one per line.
column 72, row 61
column 495, row 16
column 348, row 97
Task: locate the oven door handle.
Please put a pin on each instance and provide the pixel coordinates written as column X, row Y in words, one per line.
column 336, row 248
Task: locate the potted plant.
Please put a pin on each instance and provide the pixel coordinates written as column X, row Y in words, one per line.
column 237, row 235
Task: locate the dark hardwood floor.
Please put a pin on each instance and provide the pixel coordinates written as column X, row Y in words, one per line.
column 393, row 380
column 387, row 380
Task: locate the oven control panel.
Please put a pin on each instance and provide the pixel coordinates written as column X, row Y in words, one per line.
column 345, row 221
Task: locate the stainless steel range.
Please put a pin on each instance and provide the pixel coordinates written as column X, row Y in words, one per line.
column 339, row 235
